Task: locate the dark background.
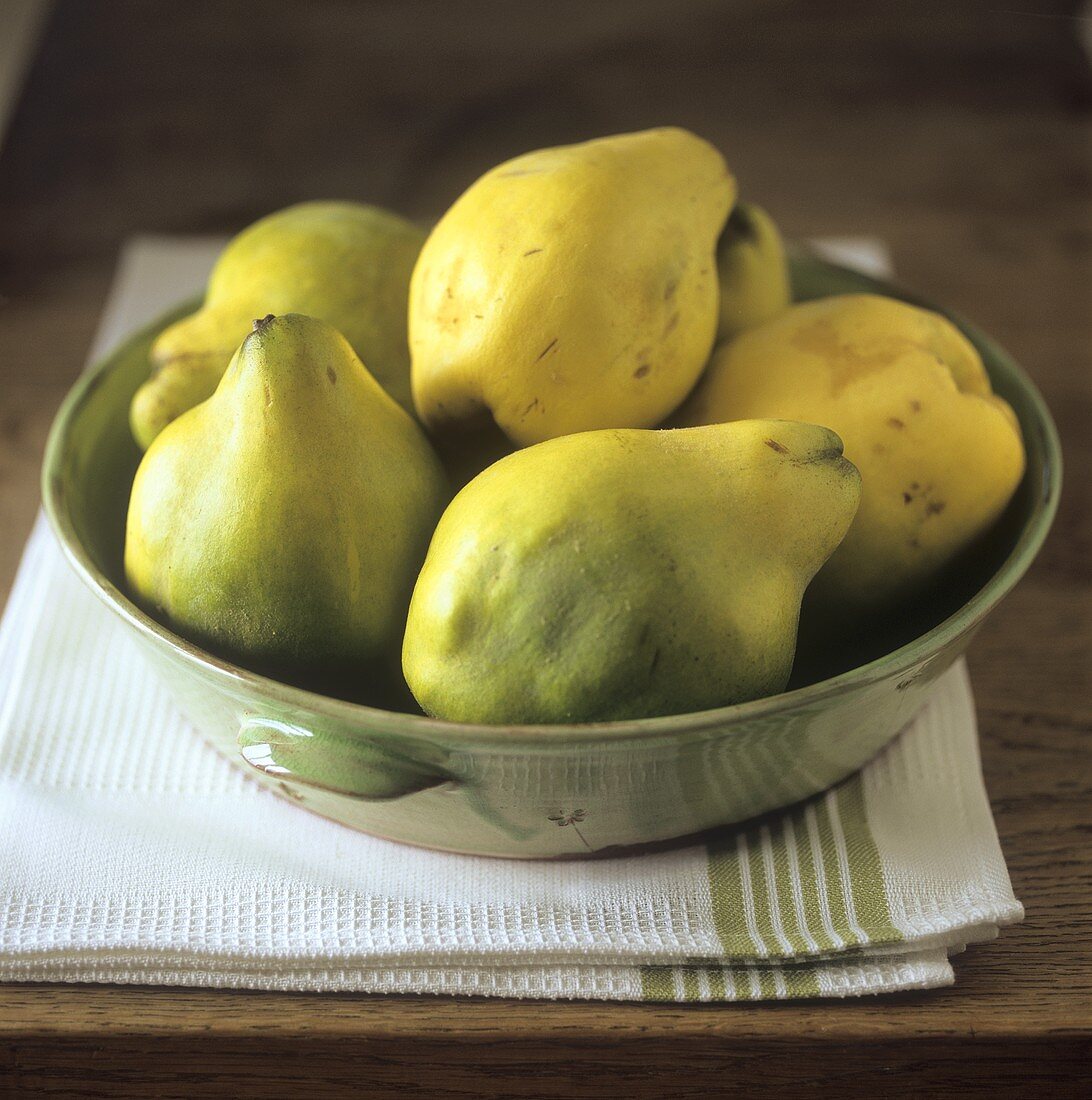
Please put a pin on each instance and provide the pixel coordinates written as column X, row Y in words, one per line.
column 957, row 132
column 842, row 117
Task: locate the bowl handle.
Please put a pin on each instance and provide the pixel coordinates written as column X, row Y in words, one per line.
column 354, row 767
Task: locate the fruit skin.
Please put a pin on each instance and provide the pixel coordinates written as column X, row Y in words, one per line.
column 281, row 523
column 752, row 270
column 343, row 262
column 940, row 455
column 572, row 288
column 626, row 573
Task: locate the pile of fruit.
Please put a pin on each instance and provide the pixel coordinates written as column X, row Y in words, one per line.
column 600, row 353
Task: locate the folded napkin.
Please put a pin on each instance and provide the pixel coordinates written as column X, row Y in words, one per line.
column 131, row 852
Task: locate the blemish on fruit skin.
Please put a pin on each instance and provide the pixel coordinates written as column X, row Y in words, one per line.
column 915, row 406
column 532, row 251
column 670, row 288
column 642, row 370
column 775, row 446
column 907, row 497
column 895, row 422
column 672, row 321
column 332, row 375
column 934, row 507
column 547, row 349
column 268, row 395
column 848, row 361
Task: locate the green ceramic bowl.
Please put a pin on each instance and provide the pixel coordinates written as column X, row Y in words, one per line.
column 506, row 790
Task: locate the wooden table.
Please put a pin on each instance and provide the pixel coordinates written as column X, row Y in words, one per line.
column 962, row 140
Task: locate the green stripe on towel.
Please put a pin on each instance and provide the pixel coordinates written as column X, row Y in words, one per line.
column 735, row 983
column 865, row 869
column 811, row 882
column 658, row 983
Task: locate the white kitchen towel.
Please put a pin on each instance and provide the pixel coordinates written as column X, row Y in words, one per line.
column 130, row 852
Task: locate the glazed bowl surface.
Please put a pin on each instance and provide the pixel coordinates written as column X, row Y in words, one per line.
column 545, row 791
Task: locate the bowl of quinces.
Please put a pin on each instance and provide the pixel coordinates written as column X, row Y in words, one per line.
column 594, row 502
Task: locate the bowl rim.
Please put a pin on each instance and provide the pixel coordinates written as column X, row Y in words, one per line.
column 960, row 622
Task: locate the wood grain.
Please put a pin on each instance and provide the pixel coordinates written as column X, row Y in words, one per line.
column 958, row 133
